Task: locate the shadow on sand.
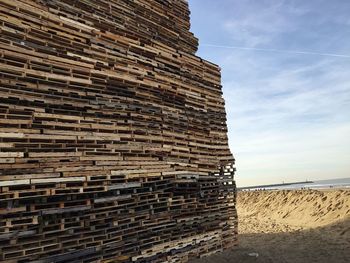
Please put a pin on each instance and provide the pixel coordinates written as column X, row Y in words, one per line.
column 324, row 244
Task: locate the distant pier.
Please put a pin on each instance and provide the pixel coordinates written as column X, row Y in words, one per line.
column 271, row 185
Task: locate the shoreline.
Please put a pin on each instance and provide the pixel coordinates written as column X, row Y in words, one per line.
column 339, row 183
column 298, row 189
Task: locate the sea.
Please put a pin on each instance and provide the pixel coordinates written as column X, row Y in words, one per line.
column 318, row 184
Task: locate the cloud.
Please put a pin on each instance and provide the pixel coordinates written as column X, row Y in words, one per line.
column 298, row 52
column 288, row 112
column 298, row 155
column 257, row 23
column 293, row 123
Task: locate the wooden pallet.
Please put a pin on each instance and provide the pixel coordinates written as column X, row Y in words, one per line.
column 113, row 136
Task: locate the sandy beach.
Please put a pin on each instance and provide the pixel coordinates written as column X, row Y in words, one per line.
column 291, row 226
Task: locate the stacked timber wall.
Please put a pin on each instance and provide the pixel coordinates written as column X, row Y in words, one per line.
column 113, row 137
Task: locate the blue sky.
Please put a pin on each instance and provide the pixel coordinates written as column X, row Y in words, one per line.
column 286, row 81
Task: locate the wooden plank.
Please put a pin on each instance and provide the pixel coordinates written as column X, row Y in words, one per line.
column 57, row 180
column 15, row 182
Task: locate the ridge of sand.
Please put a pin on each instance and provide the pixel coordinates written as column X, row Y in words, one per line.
column 291, row 226
column 293, row 209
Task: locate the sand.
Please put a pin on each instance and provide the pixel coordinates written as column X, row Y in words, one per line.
column 291, row 226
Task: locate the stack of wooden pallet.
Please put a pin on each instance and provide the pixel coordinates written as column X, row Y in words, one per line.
column 113, row 137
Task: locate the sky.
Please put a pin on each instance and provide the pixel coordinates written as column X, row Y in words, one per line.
column 286, row 80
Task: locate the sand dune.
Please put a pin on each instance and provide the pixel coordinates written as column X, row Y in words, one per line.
column 294, row 209
column 291, row 226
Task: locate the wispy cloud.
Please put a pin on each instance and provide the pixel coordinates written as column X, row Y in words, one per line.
column 285, row 70
column 258, row 22
column 279, row 50
column 290, row 124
